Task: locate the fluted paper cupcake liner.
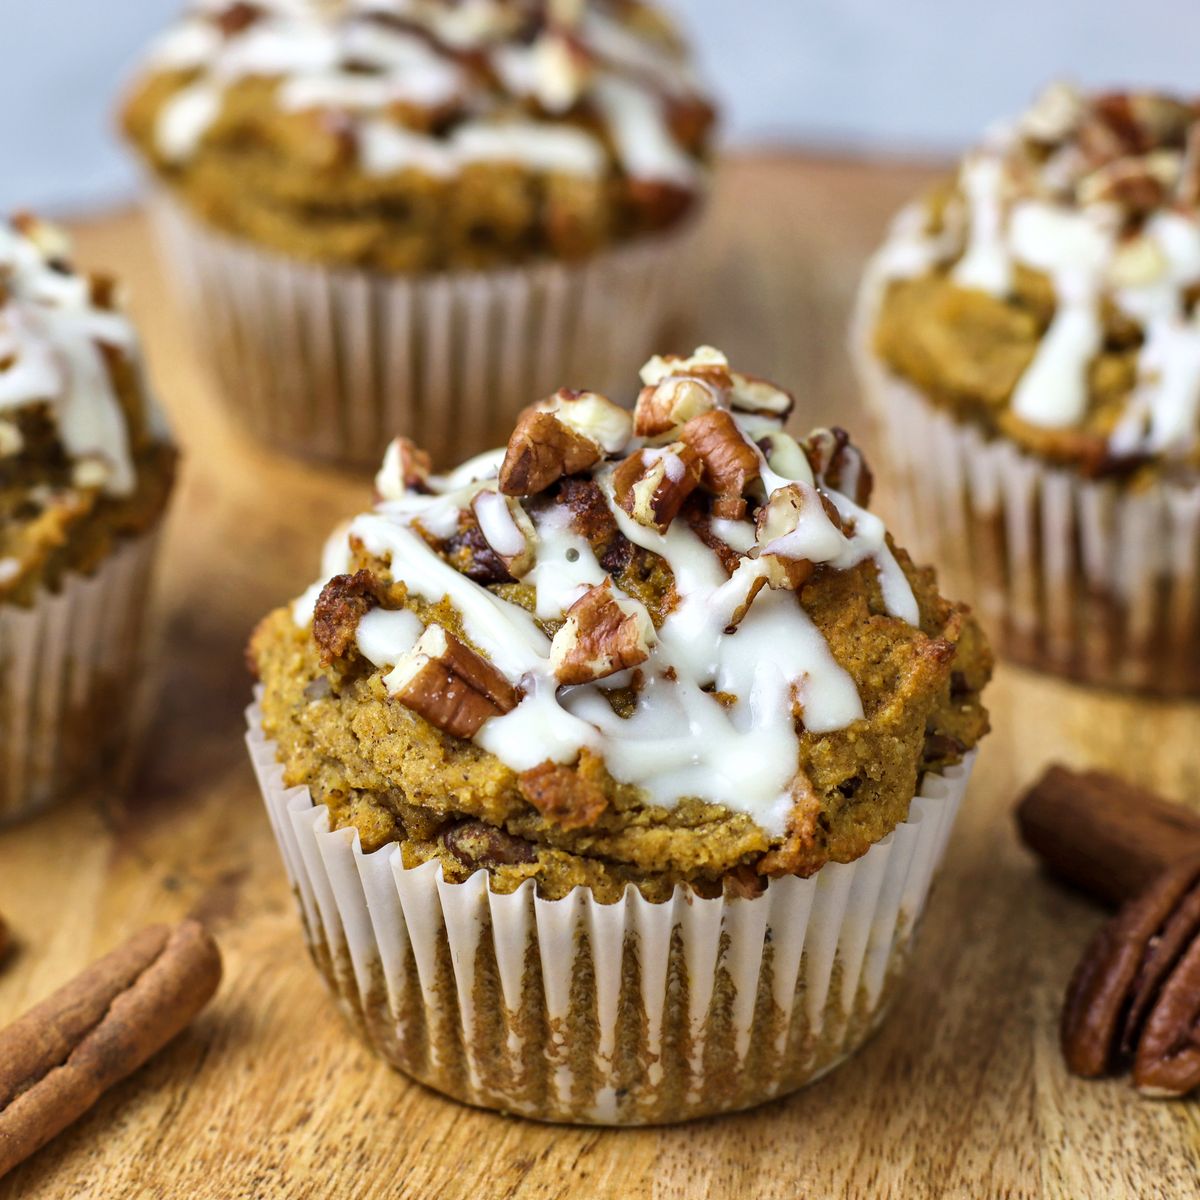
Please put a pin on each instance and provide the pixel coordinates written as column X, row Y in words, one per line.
column 1093, row 579
column 333, row 363
column 614, row 1014
column 68, row 669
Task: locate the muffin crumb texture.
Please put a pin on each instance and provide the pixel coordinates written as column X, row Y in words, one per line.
column 1047, row 293
column 426, row 135
column 664, row 647
column 84, row 462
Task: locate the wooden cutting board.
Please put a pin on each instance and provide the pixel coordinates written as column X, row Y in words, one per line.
column 962, row 1093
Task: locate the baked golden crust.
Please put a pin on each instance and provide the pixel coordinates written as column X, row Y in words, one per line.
column 344, row 728
column 306, row 176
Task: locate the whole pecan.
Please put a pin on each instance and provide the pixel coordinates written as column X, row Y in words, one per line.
column 1135, row 996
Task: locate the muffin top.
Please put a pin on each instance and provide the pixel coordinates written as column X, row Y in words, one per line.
column 1049, row 290
column 644, row 648
column 83, row 460
column 421, row 134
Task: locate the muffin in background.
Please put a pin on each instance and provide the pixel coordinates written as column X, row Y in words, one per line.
column 86, row 469
column 410, row 217
column 1029, row 340
column 611, row 769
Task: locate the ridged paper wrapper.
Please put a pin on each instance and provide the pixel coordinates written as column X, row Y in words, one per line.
column 332, row 363
column 609, row 1014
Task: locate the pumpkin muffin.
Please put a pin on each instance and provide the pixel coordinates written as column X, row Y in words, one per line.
column 85, row 473
column 1029, row 340
column 349, row 191
column 640, row 696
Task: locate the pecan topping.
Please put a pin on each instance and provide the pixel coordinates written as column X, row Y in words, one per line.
column 507, row 529
column 728, row 463
column 667, row 405
column 443, row 680
column 758, row 396
column 794, row 530
column 406, row 468
column 343, row 602
column 476, row 844
column 603, row 633
column 1138, row 185
column 1135, row 996
column 651, row 485
column 706, row 363
column 568, row 433
column 565, row 796
column 838, row 463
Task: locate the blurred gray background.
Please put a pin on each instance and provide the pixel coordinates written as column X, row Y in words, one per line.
column 918, row 78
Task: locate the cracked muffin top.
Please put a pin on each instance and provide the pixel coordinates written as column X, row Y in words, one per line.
column 422, row 134
column 84, row 460
column 1048, row 291
column 664, row 646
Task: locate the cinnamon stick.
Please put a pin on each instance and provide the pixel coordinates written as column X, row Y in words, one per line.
column 61, row 1056
column 1104, row 835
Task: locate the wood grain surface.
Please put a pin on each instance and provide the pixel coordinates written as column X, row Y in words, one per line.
column 962, row 1093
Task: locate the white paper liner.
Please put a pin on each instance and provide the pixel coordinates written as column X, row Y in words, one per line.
column 68, row 666
column 333, row 363
column 1088, row 578
column 687, row 1008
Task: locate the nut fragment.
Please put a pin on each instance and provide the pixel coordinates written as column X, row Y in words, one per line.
column 1138, row 184
column 443, row 680
column 405, row 468
column 603, row 633
column 704, row 363
column 794, row 531
column 343, row 602
column 752, row 395
column 729, row 462
column 838, row 463
column 565, row 434
column 1136, row 992
column 476, row 844
column 651, row 485
column 666, row 405
column 507, row 529
column 566, row 796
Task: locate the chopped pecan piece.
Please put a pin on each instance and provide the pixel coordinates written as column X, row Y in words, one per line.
column 1137, row 185
column 1135, row 996
column 752, row 395
column 564, row 795
column 343, row 602
column 795, row 530
column 476, row 844
column 405, row 468
column 507, row 529
column 651, row 485
column 838, row 463
column 665, row 406
column 729, row 463
column 705, row 363
column 569, row 432
column 443, row 680
column 603, row 633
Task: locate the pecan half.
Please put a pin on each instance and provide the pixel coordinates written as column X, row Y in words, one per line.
column 651, row 485
column 405, row 468
column 729, row 463
column 443, row 680
column 507, row 529
column 565, row 796
column 343, row 602
column 568, row 433
column 603, row 633
column 1136, row 992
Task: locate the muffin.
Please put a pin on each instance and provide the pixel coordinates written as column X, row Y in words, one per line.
column 611, row 768
column 408, row 218
column 1028, row 338
column 85, row 472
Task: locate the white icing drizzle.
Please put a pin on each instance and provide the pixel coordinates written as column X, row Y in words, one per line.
column 51, row 346
column 680, row 739
column 343, row 57
column 1023, row 211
